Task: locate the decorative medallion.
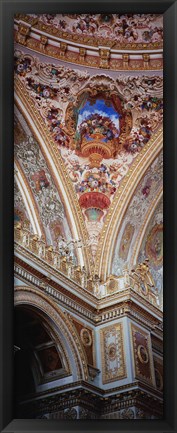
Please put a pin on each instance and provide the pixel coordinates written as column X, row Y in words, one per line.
column 141, row 353
column 85, row 337
column 154, row 246
column 112, row 351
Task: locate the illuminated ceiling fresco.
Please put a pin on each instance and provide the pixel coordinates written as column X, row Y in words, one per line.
column 102, row 132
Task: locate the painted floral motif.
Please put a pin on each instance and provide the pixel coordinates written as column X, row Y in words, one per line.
column 98, row 124
column 97, row 180
column 147, row 188
column 139, row 137
column 22, row 65
column 120, row 28
column 97, row 117
column 75, row 125
column 42, row 90
column 140, row 94
column 54, row 121
column 151, row 103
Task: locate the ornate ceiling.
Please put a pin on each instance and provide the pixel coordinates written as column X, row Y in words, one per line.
column 88, row 136
column 110, row 41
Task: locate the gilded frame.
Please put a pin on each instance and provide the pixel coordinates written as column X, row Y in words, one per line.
column 169, row 9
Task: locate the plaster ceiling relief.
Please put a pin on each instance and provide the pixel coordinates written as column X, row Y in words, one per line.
column 146, row 195
column 46, row 196
column 99, row 124
column 108, row 30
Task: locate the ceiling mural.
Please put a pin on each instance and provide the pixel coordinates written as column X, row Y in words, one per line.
column 99, row 124
column 34, row 166
column 148, row 190
column 115, row 30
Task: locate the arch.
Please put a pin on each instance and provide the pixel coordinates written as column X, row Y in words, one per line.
column 143, row 228
column 57, row 169
column 35, row 333
column 121, row 202
column 25, row 295
column 28, row 200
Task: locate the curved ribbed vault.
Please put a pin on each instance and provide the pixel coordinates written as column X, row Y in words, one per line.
column 96, row 179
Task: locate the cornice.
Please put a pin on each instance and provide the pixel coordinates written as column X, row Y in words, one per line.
column 87, row 50
column 96, row 391
column 113, row 60
column 99, row 402
column 44, row 280
column 77, row 300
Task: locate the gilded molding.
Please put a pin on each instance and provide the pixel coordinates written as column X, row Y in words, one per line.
column 91, row 61
column 84, row 39
column 125, row 303
column 56, row 290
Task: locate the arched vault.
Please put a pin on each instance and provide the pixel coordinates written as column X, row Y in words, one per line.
column 57, row 170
